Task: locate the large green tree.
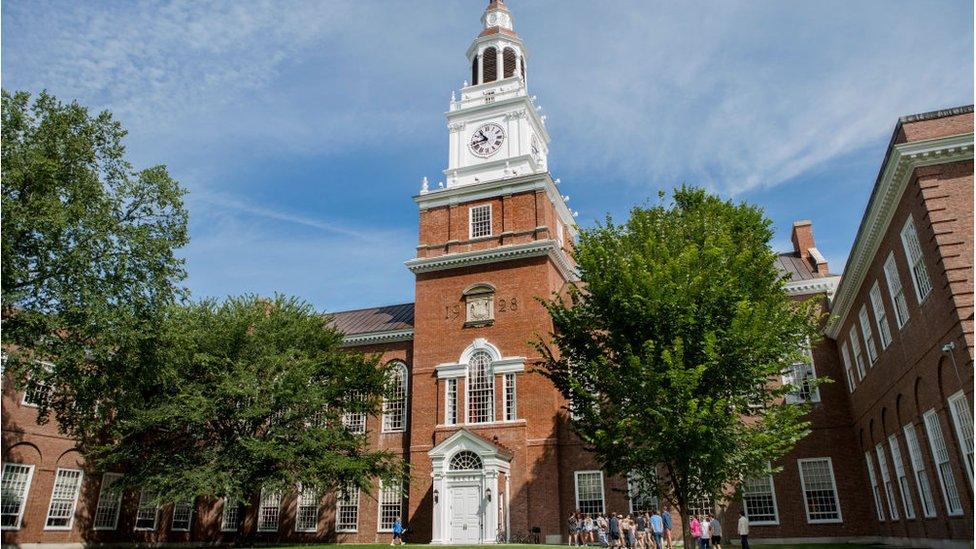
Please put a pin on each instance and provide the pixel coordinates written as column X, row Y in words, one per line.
column 671, row 348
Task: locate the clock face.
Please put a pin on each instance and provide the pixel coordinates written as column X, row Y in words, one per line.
column 486, row 140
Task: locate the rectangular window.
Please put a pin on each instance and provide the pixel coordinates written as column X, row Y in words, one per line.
column 918, row 467
column 109, row 503
column 182, row 516
column 511, row 409
column 701, row 505
column 307, row 512
column 868, row 334
column 147, row 511
column 962, row 420
column 801, row 375
column 880, row 317
column 759, row 501
column 895, row 291
column 819, row 490
column 230, row 515
column 14, row 487
column 886, row 480
column 481, row 389
column 391, row 498
column 875, row 491
column 589, row 492
column 451, row 404
column 640, row 494
column 64, row 497
column 858, row 355
column 355, row 422
column 916, row 262
column 480, row 220
column 896, row 462
column 347, row 510
column 942, row 466
column 848, row 370
column 270, row 510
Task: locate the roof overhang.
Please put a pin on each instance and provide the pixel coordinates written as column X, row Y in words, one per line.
column 373, row 338
column 536, row 248
column 825, row 285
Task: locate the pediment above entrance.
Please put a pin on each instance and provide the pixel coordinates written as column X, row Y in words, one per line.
column 491, row 454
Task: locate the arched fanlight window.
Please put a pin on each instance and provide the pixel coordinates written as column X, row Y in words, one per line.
column 489, row 60
column 481, row 389
column 508, row 59
column 395, row 403
column 466, row 460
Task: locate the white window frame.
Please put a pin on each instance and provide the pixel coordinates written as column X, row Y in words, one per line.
column 603, row 494
column 896, row 291
column 353, row 502
column 471, row 221
column 943, row 466
column 451, row 416
column 772, row 493
column 962, row 422
column 231, row 508
column 395, row 409
column 268, row 497
column 355, row 422
column 916, row 260
column 804, row 370
column 39, row 388
column 189, row 520
column 386, row 494
column 25, row 492
column 875, row 490
column 922, row 484
column 833, row 483
column 858, row 355
column 104, row 493
column 307, row 498
column 467, row 390
column 868, row 334
column 74, row 499
column 880, row 316
column 144, row 497
column 510, row 396
column 901, row 476
column 633, row 482
column 889, row 487
column 848, row 369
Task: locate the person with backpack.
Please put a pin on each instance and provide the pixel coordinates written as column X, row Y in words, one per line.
column 398, row 531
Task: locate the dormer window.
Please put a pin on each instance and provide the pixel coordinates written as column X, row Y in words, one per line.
column 480, row 220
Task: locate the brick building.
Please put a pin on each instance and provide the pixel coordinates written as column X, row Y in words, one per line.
column 891, row 452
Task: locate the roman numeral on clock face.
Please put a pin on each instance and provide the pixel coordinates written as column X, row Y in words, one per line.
column 487, row 139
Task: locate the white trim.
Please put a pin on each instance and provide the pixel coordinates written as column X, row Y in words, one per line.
column 189, row 520
column 401, row 367
column 506, row 411
column 24, row 496
column 922, row 484
column 772, row 492
column 371, row 338
column 346, row 530
column 451, row 404
column 950, row 490
column 491, row 219
column 957, row 423
column 914, row 256
column 833, row 482
column 118, row 503
column 895, row 175
column 379, row 507
column 135, row 523
column 603, row 488
column 298, row 511
column 461, row 194
column 74, row 501
column 827, row 285
column 536, row 248
column 223, row 515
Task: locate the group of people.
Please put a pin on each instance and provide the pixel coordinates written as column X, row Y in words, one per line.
column 641, row 530
column 634, row 531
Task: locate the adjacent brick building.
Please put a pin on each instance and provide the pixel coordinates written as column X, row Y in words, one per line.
column 890, row 455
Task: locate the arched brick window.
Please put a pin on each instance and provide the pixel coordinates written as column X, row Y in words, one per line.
column 490, row 63
column 508, row 58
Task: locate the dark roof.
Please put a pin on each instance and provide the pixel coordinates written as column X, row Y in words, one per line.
column 798, row 268
column 932, row 115
column 374, row 319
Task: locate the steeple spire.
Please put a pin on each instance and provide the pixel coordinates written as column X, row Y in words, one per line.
column 497, row 52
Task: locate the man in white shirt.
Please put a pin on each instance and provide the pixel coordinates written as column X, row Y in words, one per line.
column 743, row 530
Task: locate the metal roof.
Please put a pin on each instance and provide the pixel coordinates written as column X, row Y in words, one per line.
column 798, row 268
column 374, row 319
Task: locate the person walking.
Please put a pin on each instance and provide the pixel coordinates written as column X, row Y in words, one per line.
column 628, row 527
column 666, row 519
column 572, row 523
column 398, row 533
column 641, row 530
column 706, row 528
column 614, row 530
column 715, row 527
column 657, row 529
column 743, row 530
column 695, row 527
column 601, row 530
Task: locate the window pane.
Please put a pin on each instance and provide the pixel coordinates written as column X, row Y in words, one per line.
column 511, row 412
column 390, row 499
column 394, row 405
column 347, row 510
column 589, row 492
column 918, row 466
column 480, row 221
column 819, row 490
column 941, row 456
column 147, row 511
column 481, row 389
column 759, row 500
column 67, row 483
column 109, row 502
column 962, row 420
column 874, row 486
column 182, row 515
column 269, row 511
column 230, row 515
column 13, row 493
column 307, row 512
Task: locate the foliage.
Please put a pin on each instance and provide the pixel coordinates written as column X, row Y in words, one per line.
column 667, row 349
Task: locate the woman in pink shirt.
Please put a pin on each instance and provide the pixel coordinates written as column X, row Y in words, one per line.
column 695, row 528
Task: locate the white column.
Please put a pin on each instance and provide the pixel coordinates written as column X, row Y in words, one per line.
column 438, row 521
column 481, row 68
column 491, row 510
column 499, row 62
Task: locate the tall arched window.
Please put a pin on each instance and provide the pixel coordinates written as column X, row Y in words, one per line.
column 490, row 64
column 508, row 58
column 481, row 389
column 395, row 403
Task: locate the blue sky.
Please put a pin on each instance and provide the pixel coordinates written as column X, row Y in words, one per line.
column 302, row 129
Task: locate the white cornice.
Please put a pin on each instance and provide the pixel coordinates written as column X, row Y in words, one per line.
column 827, row 285
column 536, row 248
column 372, row 338
column 895, row 175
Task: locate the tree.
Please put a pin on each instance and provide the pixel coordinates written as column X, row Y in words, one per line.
column 669, row 349
column 88, row 249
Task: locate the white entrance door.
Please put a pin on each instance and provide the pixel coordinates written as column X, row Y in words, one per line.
column 465, row 514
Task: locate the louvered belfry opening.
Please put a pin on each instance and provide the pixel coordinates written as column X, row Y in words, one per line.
column 490, row 64
column 474, row 70
column 508, row 58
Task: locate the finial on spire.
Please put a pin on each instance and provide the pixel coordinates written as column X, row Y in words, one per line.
column 424, row 186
